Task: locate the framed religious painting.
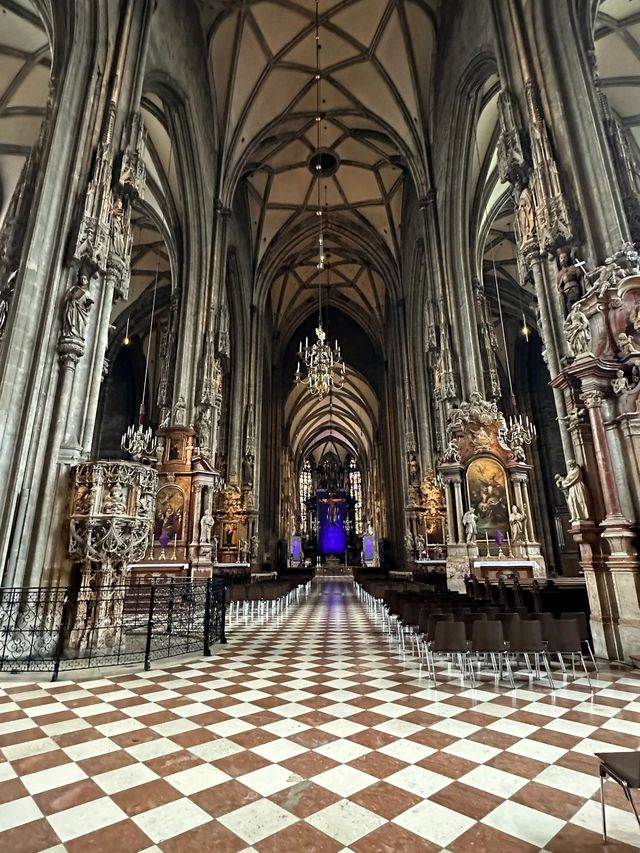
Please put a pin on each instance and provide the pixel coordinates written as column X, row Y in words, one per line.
column 488, row 495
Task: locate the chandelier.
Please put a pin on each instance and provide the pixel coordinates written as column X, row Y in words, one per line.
column 324, row 367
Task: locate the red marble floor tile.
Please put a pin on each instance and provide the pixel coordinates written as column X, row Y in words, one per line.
column 391, row 838
column 164, row 765
column 312, row 738
column 309, row 764
column 143, row 798
column 466, row 800
column 241, row 763
column 79, row 736
column 300, row 836
column 209, row 837
column 385, row 799
column 32, row 837
column 252, row 737
column 481, row 839
column 227, row 797
column 67, row 796
column 548, row 800
column 261, row 719
column 576, row 838
column 134, row 737
column 12, row 738
column 429, row 737
column 493, row 738
column 305, row 798
column 373, row 738
column 12, row 789
column 122, row 836
column 578, row 761
column 528, row 768
column 40, row 761
column 378, row 764
column 447, row 765
column 103, row 763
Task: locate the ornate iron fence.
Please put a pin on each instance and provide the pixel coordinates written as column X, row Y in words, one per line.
column 44, row 630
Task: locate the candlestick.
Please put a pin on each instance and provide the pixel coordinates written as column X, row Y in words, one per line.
column 488, row 551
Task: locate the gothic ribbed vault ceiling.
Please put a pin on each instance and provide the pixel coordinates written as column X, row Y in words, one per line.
column 376, row 63
column 617, row 38
column 24, row 79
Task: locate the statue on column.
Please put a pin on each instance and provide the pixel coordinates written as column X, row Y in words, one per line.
column 575, row 491
column 516, row 524
column 470, row 524
column 206, row 525
column 76, row 307
column 408, row 541
column 577, row 331
column 526, row 215
column 570, row 280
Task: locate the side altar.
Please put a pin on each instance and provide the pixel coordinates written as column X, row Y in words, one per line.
column 486, row 477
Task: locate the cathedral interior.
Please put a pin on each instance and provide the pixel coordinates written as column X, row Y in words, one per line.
column 314, row 304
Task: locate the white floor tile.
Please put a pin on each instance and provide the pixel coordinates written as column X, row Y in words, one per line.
column 345, row 821
column 434, row 822
column 53, row 777
column 270, row 779
column 197, row 778
column 171, row 819
column 123, row 778
column 344, row 780
column 494, row 781
column 418, row 780
column 257, row 820
column 17, row 812
column 529, row 825
column 80, row 820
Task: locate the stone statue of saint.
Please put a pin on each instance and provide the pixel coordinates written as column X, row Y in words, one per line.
column 420, row 545
column 254, row 547
column 414, row 470
column 180, row 412
column 575, row 489
column 516, row 524
column 578, row 332
column 526, row 215
column 408, row 541
column 77, row 304
column 470, row 524
column 118, row 235
column 206, row 524
column 570, row 281
column 247, row 470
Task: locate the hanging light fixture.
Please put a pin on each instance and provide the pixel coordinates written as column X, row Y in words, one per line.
column 323, row 365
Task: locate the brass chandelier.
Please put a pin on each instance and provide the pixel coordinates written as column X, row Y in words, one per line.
column 324, row 367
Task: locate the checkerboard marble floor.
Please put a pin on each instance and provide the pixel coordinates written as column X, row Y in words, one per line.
column 309, row 733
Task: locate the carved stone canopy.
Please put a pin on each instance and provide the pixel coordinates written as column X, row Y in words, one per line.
column 111, row 512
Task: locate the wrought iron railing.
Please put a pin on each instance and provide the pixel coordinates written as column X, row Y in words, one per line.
column 56, row 630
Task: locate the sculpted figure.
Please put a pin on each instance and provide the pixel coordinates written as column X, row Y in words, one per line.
column 118, row 236
column 77, row 304
column 206, row 524
column 577, row 331
column 179, row 411
column 414, row 470
column 570, row 281
column 625, row 344
column 408, row 541
column 420, row 545
column 470, row 524
column 620, row 384
column 575, row 490
column 516, row 524
column 526, row 215
column 254, row 547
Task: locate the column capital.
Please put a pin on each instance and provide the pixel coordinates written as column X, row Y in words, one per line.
column 593, row 398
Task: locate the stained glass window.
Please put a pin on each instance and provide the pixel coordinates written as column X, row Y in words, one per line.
column 355, row 487
column 304, row 487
